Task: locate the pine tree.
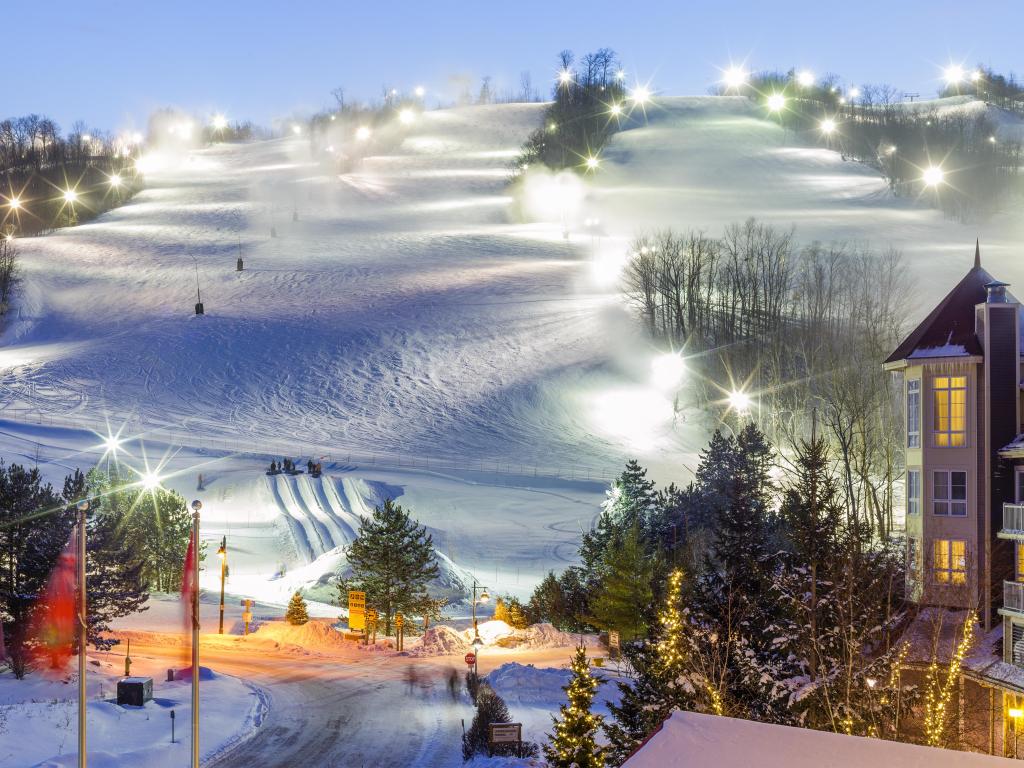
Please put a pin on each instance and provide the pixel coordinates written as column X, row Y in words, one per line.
column 516, row 613
column 393, row 558
column 631, row 500
column 625, row 592
column 664, row 679
column 490, row 708
column 574, row 741
column 297, row 615
column 500, row 611
column 547, row 603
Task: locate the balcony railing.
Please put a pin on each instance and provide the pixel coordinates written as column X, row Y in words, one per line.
column 1013, row 596
column 1013, row 519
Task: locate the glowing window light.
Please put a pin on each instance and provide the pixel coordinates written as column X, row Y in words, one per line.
column 667, row 371
column 776, row 102
column 735, row 77
column 406, row 116
column 362, row 133
column 828, row 126
column 933, row 176
column 805, row 78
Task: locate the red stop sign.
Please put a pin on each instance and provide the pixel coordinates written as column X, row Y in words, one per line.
column 471, row 658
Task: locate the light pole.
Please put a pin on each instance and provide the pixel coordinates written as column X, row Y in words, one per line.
column 222, row 553
column 477, row 642
column 83, row 507
column 194, row 597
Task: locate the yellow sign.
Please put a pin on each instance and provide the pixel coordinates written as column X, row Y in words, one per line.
column 356, row 611
column 399, row 620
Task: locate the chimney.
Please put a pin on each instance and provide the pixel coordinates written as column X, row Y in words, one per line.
column 995, row 292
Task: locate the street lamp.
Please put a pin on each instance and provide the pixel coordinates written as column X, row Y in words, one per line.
column 776, row 102
column 14, row 204
column 933, row 176
column 222, row 553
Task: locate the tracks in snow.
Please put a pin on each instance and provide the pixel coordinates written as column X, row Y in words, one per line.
column 321, row 517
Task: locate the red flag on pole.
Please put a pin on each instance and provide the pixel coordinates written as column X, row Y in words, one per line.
column 55, row 621
column 189, row 588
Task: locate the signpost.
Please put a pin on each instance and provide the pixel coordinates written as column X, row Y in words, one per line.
column 399, row 632
column 614, row 644
column 356, row 611
column 247, row 614
column 505, row 733
column 470, row 659
column 372, row 618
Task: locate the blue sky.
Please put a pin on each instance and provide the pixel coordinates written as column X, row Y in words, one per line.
column 110, row 62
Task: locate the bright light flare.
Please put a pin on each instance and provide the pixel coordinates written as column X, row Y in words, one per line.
column 953, row 74
column 593, row 163
column 296, row 129
column 620, row 75
column 14, row 204
column 70, row 196
column 776, row 102
column 219, row 122
column 150, row 480
column 406, row 116
column 828, row 126
column 805, row 78
column 933, row 176
column 976, row 75
column 362, row 133
column 615, row 109
column 739, row 401
column 115, row 181
column 735, row 77
column 667, row 371
column 565, row 77
column 420, row 91
column 640, row 95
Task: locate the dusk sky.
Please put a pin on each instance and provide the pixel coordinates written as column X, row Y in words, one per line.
column 110, row 62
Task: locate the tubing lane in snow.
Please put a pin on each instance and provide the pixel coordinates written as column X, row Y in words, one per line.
column 331, row 504
column 332, row 533
column 314, row 531
column 295, row 526
column 340, row 503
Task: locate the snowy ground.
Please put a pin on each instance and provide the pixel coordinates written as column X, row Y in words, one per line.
column 38, row 721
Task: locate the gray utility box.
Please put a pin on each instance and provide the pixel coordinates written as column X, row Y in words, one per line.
column 134, row 691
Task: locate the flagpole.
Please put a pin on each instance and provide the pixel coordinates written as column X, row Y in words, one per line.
column 83, row 507
column 196, row 506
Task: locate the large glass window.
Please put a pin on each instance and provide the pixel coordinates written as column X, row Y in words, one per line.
column 1020, row 562
column 950, row 425
column 949, row 493
column 914, row 413
column 913, row 491
column 949, row 561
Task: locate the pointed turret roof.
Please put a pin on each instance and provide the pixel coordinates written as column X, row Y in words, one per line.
column 949, row 330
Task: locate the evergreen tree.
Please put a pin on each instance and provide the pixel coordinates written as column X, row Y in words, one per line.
column 490, row 708
column 500, row 611
column 547, row 603
column 393, row 559
column 664, row 679
column 625, row 593
column 35, row 526
column 631, row 501
column 574, row 741
column 297, row 615
column 516, row 613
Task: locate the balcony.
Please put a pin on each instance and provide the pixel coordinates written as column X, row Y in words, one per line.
column 1013, row 598
column 1013, row 522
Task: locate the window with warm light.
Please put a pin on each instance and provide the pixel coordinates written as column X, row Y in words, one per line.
column 914, row 413
column 1020, row 562
column 949, row 493
column 950, row 398
column 949, row 561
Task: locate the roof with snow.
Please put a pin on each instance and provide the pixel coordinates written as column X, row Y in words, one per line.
column 949, row 330
column 689, row 740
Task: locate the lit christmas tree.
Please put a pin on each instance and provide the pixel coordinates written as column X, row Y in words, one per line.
column 941, row 685
column 573, row 743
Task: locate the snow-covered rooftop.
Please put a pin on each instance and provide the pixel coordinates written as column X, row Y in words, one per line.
column 691, row 740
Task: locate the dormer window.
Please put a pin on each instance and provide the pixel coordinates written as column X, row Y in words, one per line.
column 950, row 426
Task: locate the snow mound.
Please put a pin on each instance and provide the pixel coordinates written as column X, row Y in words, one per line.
column 205, row 673
column 441, row 640
column 530, row 686
column 546, row 636
column 491, row 632
column 313, row 635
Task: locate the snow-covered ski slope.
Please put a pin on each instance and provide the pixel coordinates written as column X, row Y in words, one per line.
column 408, row 311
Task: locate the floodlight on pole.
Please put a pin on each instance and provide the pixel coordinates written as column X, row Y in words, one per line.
column 776, row 102
column 933, row 176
